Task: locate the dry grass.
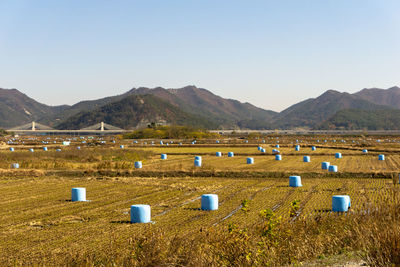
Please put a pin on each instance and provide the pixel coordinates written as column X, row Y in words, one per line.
column 39, row 226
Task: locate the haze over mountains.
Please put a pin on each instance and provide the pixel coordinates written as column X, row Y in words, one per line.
column 372, row 109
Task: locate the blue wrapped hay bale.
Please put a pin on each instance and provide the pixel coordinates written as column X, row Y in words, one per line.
column 15, row 166
column 263, row 150
column 338, row 155
column 197, row 161
column 341, row 203
column 11, row 149
column 295, row 181
column 365, row 151
column 381, row 157
column 277, row 146
column 163, row 156
column 250, row 160
column 138, row 165
column 306, row 159
column 313, row 148
column 140, row 213
column 209, row 202
column 45, row 148
column 78, row 194
column 297, row 148
column 333, row 168
column 218, row 154
column 325, row 165
column 231, row 154
column 259, row 148
column 121, row 146
column 31, row 150
column 278, row 157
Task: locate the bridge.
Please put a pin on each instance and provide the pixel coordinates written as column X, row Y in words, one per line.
column 37, row 128
column 104, row 128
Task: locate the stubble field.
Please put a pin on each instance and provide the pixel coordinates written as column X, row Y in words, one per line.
column 257, row 210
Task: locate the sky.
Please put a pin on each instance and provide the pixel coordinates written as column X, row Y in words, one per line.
column 270, row 53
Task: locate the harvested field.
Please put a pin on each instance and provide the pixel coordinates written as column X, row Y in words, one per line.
column 40, row 225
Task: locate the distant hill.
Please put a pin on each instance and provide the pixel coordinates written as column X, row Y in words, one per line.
column 312, row 112
column 134, row 110
column 55, row 118
column 227, row 113
column 17, row 109
column 201, row 108
column 389, row 97
column 351, row 119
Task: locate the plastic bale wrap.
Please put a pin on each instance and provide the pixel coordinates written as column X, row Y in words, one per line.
column 295, row 181
column 325, row 165
column 140, row 213
column 333, row 168
column 209, row 202
column 78, row 194
column 138, row 165
column 15, row 166
column 341, row 203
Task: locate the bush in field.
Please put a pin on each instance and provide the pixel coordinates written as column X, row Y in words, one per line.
column 170, row 132
column 373, row 237
column 4, row 132
column 294, row 208
column 255, row 135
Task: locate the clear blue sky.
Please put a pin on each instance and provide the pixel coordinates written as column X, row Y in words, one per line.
column 269, row 53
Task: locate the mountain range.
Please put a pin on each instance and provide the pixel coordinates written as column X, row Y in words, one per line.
column 372, row 109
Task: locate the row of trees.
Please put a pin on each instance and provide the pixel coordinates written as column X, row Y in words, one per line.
column 170, row 132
